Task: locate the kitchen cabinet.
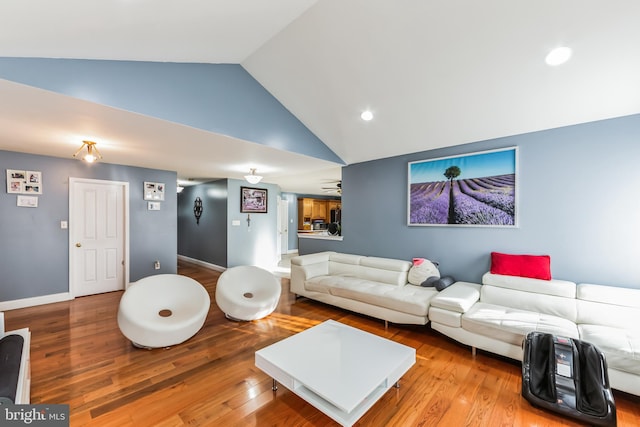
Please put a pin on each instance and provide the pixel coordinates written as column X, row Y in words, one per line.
column 314, row 209
column 319, row 210
column 307, row 207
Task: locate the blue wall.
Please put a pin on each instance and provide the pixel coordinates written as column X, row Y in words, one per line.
column 206, row 241
column 34, row 254
column 221, row 98
column 578, row 202
column 216, row 240
column 257, row 244
column 292, row 204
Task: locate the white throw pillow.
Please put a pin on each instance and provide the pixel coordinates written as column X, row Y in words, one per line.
column 421, row 269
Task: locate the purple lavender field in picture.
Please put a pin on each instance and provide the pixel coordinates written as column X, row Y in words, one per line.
column 475, row 189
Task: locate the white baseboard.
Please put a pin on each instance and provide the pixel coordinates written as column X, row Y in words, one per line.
column 201, row 263
column 292, row 251
column 31, row 302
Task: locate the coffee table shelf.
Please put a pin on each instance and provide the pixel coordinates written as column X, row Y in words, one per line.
column 340, row 370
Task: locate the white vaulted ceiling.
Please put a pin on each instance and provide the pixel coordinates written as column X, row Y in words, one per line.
column 434, row 73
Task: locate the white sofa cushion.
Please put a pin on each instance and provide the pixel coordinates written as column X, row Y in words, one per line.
column 620, row 346
column 344, row 264
column 609, row 306
column 512, row 325
column 458, row 297
column 384, row 270
column 321, row 284
column 555, row 287
column 407, row 299
column 609, row 294
column 318, row 257
column 444, row 317
column 530, row 301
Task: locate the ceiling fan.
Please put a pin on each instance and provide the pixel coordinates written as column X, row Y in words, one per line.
column 337, row 188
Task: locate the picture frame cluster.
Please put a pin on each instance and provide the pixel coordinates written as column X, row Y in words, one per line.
column 24, row 181
column 154, row 191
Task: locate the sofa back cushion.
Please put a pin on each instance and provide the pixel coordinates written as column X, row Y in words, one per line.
column 530, row 301
column 385, row 270
column 554, row 287
column 608, row 306
column 344, row 264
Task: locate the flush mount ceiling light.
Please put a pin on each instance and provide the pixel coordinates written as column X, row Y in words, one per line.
column 252, row 178
column 92, row 152
column 366, row 115
column 558, row 56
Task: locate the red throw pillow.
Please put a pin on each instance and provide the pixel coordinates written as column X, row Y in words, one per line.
column 533, row 266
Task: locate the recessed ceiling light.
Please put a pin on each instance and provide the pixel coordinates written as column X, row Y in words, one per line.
column 366, row 115
column 558, row 56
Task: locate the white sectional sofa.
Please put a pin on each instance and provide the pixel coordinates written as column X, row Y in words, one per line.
column 497, row 315
column 377, row 287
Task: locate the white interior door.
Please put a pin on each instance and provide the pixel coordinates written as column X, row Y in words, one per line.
column 283, row 226
column 97, row 218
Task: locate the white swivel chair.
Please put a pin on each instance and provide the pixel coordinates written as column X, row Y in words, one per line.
column 247, row 293
column 162, row 310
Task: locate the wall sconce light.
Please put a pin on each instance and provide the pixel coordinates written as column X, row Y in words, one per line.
column 252, row 178
column 92, row 152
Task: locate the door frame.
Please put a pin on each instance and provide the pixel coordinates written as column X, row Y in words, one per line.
column 72, row 252
column 283, row 233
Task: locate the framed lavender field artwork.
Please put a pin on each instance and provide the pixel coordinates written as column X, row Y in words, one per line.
column 476, row 189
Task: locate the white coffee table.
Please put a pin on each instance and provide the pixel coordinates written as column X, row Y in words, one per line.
column 340, row 370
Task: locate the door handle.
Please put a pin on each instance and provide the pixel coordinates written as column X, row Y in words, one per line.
column 78, row 245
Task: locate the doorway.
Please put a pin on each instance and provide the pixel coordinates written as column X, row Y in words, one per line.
column 98, row 236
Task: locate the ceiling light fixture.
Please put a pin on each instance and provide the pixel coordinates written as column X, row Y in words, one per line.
column 558, row 56
column 366, row 115
column 252, row 178
column 92, row 152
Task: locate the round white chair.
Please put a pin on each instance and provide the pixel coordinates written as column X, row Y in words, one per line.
column 162, row 310
column 247, row 293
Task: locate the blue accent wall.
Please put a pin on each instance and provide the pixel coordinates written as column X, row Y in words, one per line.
column 221, row 98
column 206, row 240
column 34, row 254
column 578, row 203
column 216, row 240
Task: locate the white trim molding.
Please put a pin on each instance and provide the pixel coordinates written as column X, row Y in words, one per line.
column 33, row 301
column 201, row 263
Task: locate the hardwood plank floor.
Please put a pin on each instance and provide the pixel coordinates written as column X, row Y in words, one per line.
column 79, row 357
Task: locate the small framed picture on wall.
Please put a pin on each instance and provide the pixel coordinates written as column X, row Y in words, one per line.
column 24, row 182
column 154, row 191
column 253, row 200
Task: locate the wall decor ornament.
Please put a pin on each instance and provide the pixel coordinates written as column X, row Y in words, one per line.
column 154, row 191
column 476, row 189
column 197, row 209
column 253, row 200
column 24, row 182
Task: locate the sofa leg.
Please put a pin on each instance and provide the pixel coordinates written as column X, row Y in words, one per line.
column 473, row 351
column 386, row 324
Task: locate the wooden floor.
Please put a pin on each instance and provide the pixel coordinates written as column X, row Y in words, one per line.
column 79, row 357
